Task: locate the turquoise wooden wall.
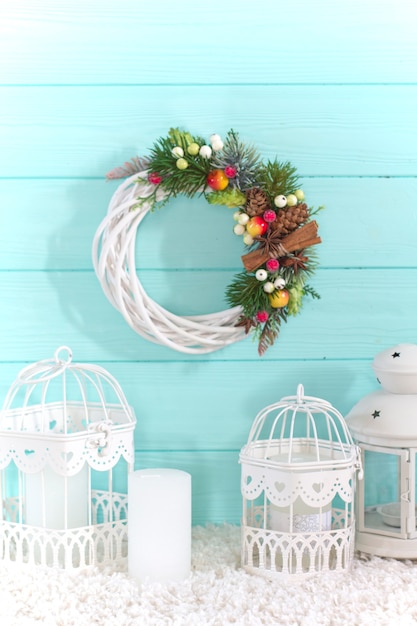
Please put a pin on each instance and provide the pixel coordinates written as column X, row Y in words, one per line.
column 87, row 84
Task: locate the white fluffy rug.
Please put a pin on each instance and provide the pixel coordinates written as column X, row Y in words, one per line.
column 218, row 593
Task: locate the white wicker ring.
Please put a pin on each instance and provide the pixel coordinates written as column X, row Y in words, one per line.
column 114, row 259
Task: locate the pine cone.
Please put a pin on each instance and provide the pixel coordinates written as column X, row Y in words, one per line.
column 257, row 202
column 290, row 218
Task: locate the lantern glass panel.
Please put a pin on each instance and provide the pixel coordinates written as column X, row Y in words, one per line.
column 413, row 491
column 383, row 485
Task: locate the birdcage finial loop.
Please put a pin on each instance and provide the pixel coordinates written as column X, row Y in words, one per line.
column 59, row 359
column 46, row 370
column 300, row 394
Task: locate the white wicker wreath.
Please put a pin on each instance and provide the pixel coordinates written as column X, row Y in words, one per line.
column 114, row 259
column 269, row 212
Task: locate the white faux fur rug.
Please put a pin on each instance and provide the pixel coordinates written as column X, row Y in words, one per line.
column 376, row 592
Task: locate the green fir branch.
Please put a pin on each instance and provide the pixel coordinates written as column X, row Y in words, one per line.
column 245, row 159
column 308, row 290
column 246, row 291
column 313, row 212
column 278, row 178
column 174, row 180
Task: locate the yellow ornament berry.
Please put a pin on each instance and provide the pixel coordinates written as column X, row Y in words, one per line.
column 279, row 299
column 182, row 164
column 193, row 149
column 299, row 194
column 292, row 199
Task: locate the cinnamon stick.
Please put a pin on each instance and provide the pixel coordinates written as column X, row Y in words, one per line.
column 298, row 238
column 304, row 237
column 253, row 260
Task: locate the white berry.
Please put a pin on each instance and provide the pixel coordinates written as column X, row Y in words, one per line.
column 248, row 239
column 216, row 142
column 205, row 152
column 178, row 152
column 292, row 199
column 243, row 218
column 280, row 201
column 279, row 283
column 269, row 287
column 239, row 229
column 261, row 275
column 236, row 216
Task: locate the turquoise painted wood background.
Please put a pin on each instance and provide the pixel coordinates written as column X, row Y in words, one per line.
column 88, row 84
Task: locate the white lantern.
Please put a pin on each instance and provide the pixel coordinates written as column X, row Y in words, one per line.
column 384, row 424
column 298, row 479
column 64, row 430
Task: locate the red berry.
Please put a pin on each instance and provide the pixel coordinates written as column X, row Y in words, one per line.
column 154, row 178
column 262, row 316
column 272, row 265
column 269, row 215
column 230, row 171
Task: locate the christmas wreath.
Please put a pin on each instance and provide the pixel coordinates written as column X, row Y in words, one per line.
column 269, row 211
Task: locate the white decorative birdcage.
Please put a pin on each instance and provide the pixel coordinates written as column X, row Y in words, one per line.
column 66, row 448
column 298, row 481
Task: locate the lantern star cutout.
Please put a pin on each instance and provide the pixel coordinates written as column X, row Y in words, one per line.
column 395, row 355
column 376, row 414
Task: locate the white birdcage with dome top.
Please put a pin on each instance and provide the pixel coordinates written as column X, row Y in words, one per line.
column 298, row 483
column 66, row 448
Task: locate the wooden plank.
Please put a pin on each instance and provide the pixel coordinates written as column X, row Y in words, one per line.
column 332, row 131
column 211, row 405
column 215, row 482
column 53, row 226
column 98, row 42
column 359, row 312
column 361, row 226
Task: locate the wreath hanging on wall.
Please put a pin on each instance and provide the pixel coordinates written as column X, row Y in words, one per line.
column 270, row 214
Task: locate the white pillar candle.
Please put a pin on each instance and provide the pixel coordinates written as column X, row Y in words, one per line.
column 57, row 502
column 300, row 517
column 159, row 525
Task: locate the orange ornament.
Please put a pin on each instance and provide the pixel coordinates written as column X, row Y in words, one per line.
column 256, row 226
column 217, row 180
column 279, row 298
